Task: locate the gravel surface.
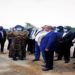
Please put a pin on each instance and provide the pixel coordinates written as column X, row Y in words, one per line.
column 27, row 67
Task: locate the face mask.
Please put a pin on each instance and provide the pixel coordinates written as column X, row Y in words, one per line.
column 56, row 30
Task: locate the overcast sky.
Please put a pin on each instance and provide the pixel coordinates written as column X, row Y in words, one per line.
column 37, row 12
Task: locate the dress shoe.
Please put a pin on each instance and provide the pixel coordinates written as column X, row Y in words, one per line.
column 67, row 61
column 73, row 57
column 43, row 65
column 57, row 59
column 21, row 58
column 74, row 67
column 35, row 60
column 73, row 63
column 47, row 69
column 14, row 59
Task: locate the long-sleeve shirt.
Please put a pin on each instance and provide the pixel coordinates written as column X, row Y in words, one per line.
column 39, row 37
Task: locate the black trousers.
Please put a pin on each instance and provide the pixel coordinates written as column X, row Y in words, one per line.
column 9, row 43
column 60, row 54
column 2, row 42
column 67, row 54
column 49, row 55
column 74, row 53
column 64, row 52
column 31, row 45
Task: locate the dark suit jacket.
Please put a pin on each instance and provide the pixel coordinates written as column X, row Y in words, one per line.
column 59, row 42
column 4, row 37
column 67, row 39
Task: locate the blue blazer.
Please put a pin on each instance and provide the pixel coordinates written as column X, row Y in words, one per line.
column 49, row 41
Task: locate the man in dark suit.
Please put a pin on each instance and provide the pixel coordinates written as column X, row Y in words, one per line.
column 30, row 42
column 48, row 46
column 2, row 38
column 67, row 43
column 74, row 46
column 58, row 48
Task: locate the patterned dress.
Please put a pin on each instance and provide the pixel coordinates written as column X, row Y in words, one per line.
column 18, row 45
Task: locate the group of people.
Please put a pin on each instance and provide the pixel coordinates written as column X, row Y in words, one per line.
column 47, row 40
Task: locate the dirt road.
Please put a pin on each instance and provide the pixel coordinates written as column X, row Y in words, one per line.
column 27, row 67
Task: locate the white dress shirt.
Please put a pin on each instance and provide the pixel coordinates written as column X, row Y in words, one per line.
column 39, row 36
column 64, row 34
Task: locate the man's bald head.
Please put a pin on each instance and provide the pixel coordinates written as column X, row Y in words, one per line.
column 48, row 28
